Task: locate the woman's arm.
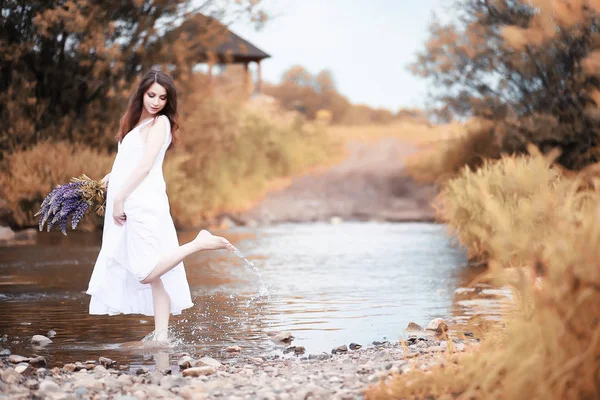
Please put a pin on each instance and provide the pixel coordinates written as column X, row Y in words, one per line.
column 155, row 140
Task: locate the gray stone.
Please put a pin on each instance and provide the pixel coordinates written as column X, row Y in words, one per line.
column 4, row 352
column 438, row 326
column 32, row 384
column 413, row 327
column 51, row 334
column 185, row 362
column 100, row 371
column 81, row 392
column 16, row 359
column 355, row 346
column 6, row 234
column 208, row 361
column 40, row 340
column 107, row 362
column 48, row 388
column 285, row 337
column 340, row 349
column 10, row 376
column 38, row 362
column 24, row 369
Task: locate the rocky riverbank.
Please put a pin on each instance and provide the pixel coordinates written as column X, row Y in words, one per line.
column 344, row 374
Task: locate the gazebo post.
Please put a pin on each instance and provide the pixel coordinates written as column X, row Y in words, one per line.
column 259, row 77
column 246, row 79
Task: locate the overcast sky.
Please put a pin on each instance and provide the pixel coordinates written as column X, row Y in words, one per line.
column 367, row 44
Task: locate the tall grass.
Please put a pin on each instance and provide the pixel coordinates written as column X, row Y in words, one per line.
column 527, row 212
column 462, row 145
column 27, row 176
column 228, row 155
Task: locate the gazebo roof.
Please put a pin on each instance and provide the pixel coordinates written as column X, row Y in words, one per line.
column 210, row 39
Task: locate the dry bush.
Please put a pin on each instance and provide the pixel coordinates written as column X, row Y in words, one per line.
column 230, row 153
column 442, row 160
column 27, row 176
column 550, row 349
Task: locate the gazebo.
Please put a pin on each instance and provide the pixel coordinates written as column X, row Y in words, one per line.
column 212, row 43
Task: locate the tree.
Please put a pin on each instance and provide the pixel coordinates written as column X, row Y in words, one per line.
column 531, row 67
column 67, row 66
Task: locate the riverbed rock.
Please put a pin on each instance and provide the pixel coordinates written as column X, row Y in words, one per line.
column 285, row 337
column 38, row 362
column 107, row 362
column 437, row 325
column 299, row 350
column 10, row 376
column 26, row 235
column 208, row 361
column 51, row 334
column 185, row 362
column 40, row 340
column 233, row 349
column 24, row 369
column 48, row 388
column 199, row 371
column 340, row 349
column 6, row 234
column 4, row 352
column 354, row 346
column 16, row 359
column 69, row 367
column 413, row 327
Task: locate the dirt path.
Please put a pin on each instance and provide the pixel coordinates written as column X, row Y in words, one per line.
column 369, row 184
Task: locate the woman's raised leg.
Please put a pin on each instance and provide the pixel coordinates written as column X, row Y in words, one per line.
column 169, row 260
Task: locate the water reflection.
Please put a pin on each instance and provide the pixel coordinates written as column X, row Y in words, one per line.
column 329, row 285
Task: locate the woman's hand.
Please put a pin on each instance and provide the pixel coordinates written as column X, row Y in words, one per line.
column 104, row 180
column 119, row 216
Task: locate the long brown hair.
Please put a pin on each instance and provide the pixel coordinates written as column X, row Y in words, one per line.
column 136, row 103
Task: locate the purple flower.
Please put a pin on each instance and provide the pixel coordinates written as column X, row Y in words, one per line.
column 70, row 200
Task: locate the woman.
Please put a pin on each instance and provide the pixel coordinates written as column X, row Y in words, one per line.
column 140, row 266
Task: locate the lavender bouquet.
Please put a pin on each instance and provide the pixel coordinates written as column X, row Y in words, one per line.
column 71, row 200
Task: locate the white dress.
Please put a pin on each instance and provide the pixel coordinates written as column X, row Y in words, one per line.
column 130, row 252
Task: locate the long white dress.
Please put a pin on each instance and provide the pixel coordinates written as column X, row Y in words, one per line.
column 130, row 252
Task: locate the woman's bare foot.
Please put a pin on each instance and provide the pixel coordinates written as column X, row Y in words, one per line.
column 207, row 241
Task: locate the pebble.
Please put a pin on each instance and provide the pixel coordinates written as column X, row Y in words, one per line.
column 413, row 327
column 234, row 349
column 354, row 346
column 340, row 349
column 51, row 334
column 437, row 325
column 4, row 352
column 208, row 361
column 185, row 362
column 199, row 371
column 343, row 376
column 16, row 359
column 107, row 362
column 38, row 362
column 40, row 340
column 285, row 337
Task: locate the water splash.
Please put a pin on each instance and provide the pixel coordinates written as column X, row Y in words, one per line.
column 262, row 290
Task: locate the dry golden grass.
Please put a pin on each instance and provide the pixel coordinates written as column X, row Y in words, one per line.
column 550, row 348
column 26, row 177
column 466, row 144
column 412, row 131
column 229, row 155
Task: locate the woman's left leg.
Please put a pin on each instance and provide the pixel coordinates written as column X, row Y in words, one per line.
column 162, row 310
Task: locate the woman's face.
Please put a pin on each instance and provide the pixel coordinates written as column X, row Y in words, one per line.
column 155, row 99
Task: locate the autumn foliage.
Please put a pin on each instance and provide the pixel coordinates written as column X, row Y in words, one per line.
column 529, row 67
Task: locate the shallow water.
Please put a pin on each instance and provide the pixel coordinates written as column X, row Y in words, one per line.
column 328, row 284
